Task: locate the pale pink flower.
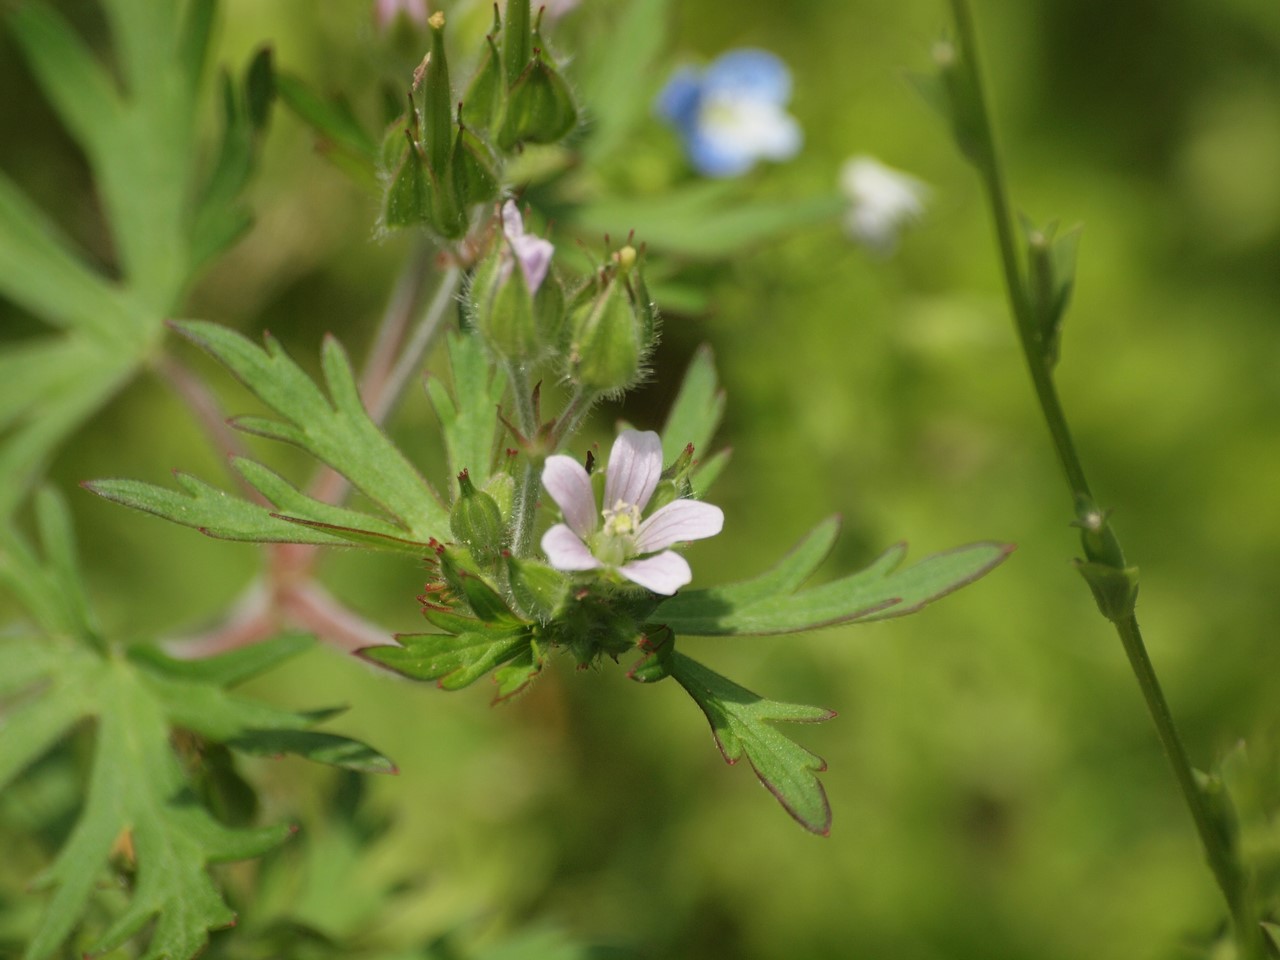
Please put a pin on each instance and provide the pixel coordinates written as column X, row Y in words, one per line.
column 385, row 12
column 616, row 538
column 533, row 253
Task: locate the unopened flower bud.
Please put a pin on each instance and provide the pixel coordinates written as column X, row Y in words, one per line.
column 502, row 487
column 612, row 330
column 517, row 304
column 476, row 520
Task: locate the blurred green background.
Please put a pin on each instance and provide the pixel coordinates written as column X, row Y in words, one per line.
column 997, row 788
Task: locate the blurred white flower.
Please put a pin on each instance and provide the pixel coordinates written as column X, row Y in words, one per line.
column 882, row 201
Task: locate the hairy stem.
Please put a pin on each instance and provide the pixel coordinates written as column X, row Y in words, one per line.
column 575, row 411
column 526, row 497
column 987, row 160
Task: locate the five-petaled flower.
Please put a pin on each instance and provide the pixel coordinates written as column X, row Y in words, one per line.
column 732, row 113
column 881, row 201
column 617, row 538
column 533, row 253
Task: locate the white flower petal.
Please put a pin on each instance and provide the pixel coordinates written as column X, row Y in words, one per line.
column 635, row 464
column 565, row 551
column 677, row 522
column 665, row 573
column 882, row 201
column 570, row 487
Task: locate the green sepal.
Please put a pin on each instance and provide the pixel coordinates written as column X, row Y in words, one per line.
column 411, row 197
column 1222, row 811
column 659, row 646
column 740, row 721
column 517, row 40
column 502, row 487
column 606, row 348
column 454, row 661
column 540, row 590
column 515, row 676
column 472, row 170
column 1114, row 590
column 540, row 107
column 1100, row 543
column 437, row 101
column 458, row 570
column 502, row 307
column 1051, row 259
column 482, row 103
column 954, row 94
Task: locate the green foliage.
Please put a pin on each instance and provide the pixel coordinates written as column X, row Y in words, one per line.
column 335, row 429
column 609, row 76
column 139, row 137
column 740, row 721
column 695, row 415
column 141, row 817
column 709, row 220
column 466, row 413
column 770, row 603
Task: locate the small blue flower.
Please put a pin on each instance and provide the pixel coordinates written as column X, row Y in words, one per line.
column 732, row 113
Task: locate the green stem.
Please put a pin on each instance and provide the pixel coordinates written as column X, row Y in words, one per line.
column 526, row 497
column 1220, row 857
column 575, row 411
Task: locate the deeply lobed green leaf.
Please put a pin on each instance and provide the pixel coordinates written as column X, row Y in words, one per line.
column 140, row 806
column 336, row 429
column 740, row 721
column 769, row 604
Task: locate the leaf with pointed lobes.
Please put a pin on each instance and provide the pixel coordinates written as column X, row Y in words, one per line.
column 773, row 603
column 454, row 661
column 740, row 721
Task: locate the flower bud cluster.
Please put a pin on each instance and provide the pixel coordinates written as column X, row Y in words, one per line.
column 444, row 158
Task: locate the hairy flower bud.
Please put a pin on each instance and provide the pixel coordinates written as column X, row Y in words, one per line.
column 476, row 521
column 612, row 329
column 517, row 304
